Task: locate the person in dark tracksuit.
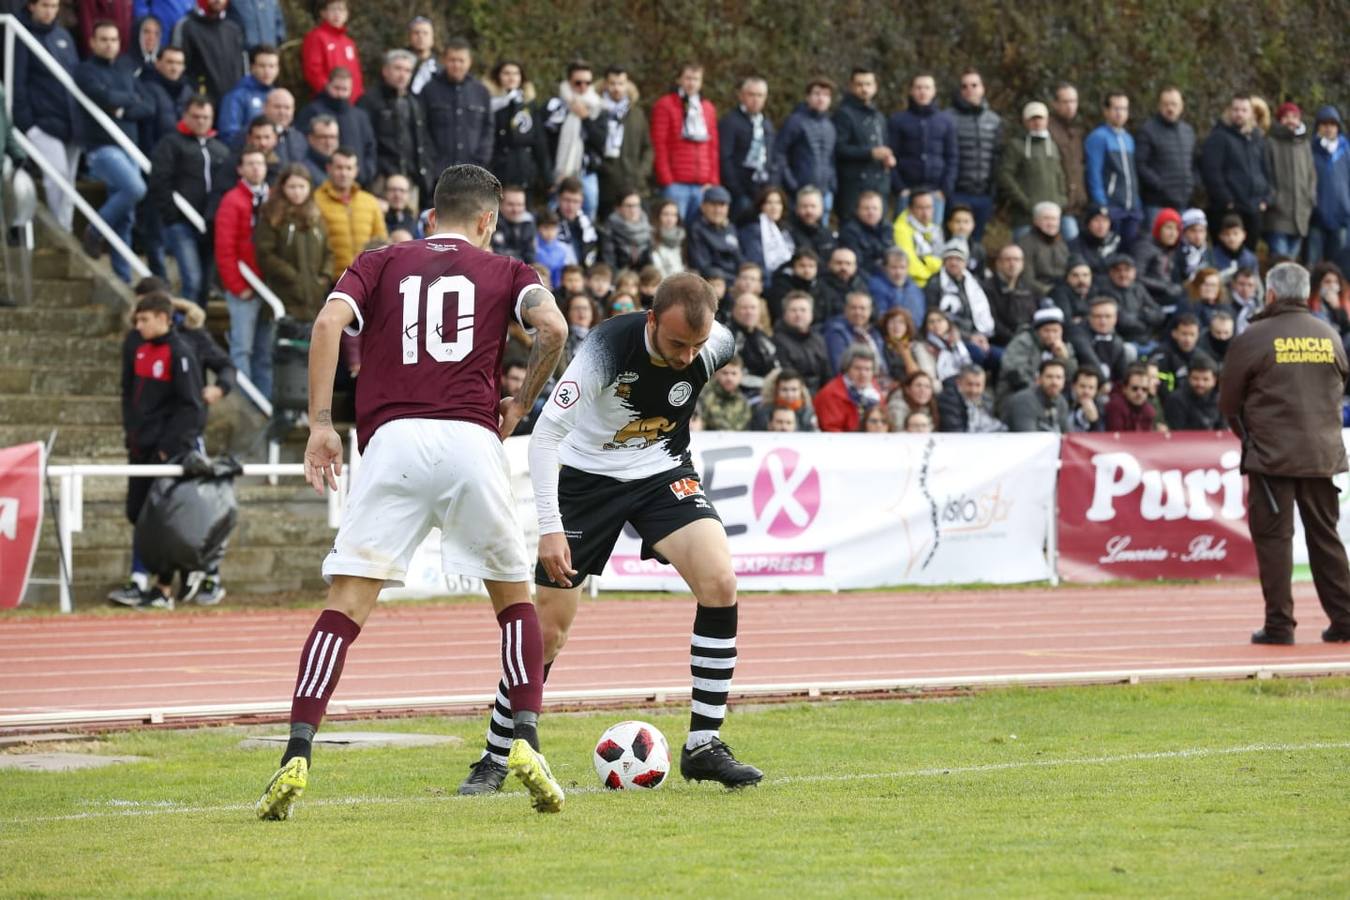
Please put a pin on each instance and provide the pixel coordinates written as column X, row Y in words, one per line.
column 1283, row 379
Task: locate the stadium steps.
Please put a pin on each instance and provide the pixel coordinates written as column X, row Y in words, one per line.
column 60, row 368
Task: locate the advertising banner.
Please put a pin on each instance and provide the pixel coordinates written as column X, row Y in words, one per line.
column 20, row 519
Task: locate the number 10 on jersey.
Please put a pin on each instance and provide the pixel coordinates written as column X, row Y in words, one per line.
column 438, row 348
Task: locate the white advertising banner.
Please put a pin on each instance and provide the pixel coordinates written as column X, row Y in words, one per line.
column 1300, row 540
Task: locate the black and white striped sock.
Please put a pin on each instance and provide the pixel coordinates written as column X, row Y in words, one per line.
column 712, row 662
column 500, row 727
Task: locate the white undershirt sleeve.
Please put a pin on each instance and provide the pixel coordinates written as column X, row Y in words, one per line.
column 543, row 455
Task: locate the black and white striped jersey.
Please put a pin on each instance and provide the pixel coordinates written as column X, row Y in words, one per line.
column 624, row 414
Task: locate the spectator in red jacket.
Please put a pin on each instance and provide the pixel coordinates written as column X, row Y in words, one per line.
column 327, row 46
column 684, row 142
column 250, row 333
column 845, row 400
column 1129, row 409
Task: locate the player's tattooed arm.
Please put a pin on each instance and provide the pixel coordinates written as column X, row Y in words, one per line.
column 540, row 312
column 324, row 417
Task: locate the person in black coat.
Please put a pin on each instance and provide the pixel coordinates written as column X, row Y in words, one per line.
column 1164, row 155
column 354, row 126
column 191, row 162
column 520, row 145
column 1194, row 405
column 746, row 139
column 840, row 279
column 402, row 143
column 213, row 47
column 868, row 234
column 167, row 88
column 1233, row 166
column 863, row 161
column 459, row 114
column 801, row 347
column 516, row 229
column 808, row 224
column 712, row 241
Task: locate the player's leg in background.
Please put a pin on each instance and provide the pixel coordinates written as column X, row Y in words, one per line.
column 700, row 553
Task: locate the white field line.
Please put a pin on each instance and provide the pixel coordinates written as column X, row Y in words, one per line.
column 134, row 809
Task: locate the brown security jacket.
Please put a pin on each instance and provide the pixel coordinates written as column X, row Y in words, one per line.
column 1283, row 379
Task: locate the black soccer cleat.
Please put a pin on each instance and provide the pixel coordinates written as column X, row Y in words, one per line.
column 714, row 761
column 485, row 777
column 1334, row 635
column 1265, row 636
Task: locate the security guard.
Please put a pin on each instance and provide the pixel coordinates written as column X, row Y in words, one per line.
column 1283, row 380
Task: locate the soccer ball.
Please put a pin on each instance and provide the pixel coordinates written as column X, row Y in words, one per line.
column 632, row 755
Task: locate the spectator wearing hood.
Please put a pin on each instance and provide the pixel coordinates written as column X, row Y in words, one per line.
column 1293, row 177
column 809, row 226
column 577, row 133
column 868, row 234
column 520, row 152
column 626, row 160
column 1165, row 157
column 1157, row 259
column 140, row 54
column 1233, row 164
column 685, row 148
column 261, row 20
column 979, row 141
column 168, row 12
column 1044, row 249
column 354, row 126
column 459, row 111
column 1031, row 171
column 923, row 139
column 918, row 233
column 1112, row 177
column 1069, row 135
column 246, row 100
column 627, row 239
column 213, row 49
column 1098, row 241
column 1139, row 316
column 800, row 347
column 712, row 241
column 192, row 162
column 764, row 235
column 399, row 122
column 327, row 46
column 746, row 139
column 1331, row 214
column 804, row 149
column 1194, row 404
column 43, row 109
column 863, row 161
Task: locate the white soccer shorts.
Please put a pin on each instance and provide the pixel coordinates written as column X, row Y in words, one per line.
column 417, row 474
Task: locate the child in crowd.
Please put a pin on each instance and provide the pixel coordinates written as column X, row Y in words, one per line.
column 1230, row 254
column 548, row 250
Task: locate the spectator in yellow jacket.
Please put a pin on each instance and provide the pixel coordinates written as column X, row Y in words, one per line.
column 352, row 215
column 920, row 236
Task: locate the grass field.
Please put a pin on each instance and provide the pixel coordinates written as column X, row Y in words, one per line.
column 1201, row 789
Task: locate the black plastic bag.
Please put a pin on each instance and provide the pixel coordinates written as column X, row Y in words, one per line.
column 290, row 366
column 186, row 522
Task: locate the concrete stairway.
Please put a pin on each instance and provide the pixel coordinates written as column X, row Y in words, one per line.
column 60, row 368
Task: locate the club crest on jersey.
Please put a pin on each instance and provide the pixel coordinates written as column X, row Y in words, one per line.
column 686, row 488
column 627, row 377
column 640, row 433
column 679, row 395
column 566, row 394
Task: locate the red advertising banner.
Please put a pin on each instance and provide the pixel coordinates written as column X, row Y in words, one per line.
column 20, row 518
column 1148, row 506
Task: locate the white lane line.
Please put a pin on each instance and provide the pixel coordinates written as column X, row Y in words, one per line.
column 134, row 809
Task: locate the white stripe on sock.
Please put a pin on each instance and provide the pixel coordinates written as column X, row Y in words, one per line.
column 332, row 662
column 503, row 700
column 498, row 758
column 511, row 679
column 712, row 662
column 520, row 656
column 699, row 738
column 323, row 654
column 711, row 643
column 502, row 720
column 712, row 686
column 500, row 743
column 709, row 711
column 309, row 665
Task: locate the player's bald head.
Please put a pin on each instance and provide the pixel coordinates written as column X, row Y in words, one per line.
column 463, row 193
column 689, row 293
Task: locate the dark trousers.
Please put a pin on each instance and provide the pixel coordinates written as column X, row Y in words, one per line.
column 1272, row 536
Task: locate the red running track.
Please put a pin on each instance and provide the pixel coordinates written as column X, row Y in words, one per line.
column 147, row 660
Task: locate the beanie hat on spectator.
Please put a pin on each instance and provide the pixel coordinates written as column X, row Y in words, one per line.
column 1192, row 217
column 1050, row 315
column 956, row 247
column 1165, row 215
column 717, row 194
column 1098, row 211
column 1033, row 109
column 1287, row 107
column 1076, row 260
column 1329, row 113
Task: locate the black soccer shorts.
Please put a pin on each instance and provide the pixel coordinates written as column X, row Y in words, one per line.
column 595, row 507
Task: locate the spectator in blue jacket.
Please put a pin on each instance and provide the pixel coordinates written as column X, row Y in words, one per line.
column 892, row 287
column 169, row 12
column 804, row 150
column 44, row 110
column 923, row 139
column 745, row 144
column 1112, row 178
column 853, row 326
column 1331, row 215
column 868, row 234
column 261, row 20
column 117, row 94
column 246, row 100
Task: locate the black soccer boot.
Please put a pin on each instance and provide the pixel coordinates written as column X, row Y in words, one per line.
column 485, row 777
column 714, row 761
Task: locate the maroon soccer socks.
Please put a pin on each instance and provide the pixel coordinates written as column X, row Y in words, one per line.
column 321, row 662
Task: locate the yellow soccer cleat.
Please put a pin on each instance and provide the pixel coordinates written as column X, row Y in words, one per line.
column 284, row 789
column 531, row 768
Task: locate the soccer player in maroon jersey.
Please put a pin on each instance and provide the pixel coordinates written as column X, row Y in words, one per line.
column 432, row 317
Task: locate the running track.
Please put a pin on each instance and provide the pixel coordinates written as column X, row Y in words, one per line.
column 186, row 666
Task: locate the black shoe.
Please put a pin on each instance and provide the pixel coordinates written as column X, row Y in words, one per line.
column 485, row 777
column 92, row 242
column 1334, row 635
column 713, row 761
column 1266, row 637
column 129, row 594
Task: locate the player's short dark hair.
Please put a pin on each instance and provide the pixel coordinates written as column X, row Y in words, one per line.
column 155, row 302
column 691, row 293
column 262, row 50
column 462, row 192
column 149, row 284
column 1186, row 319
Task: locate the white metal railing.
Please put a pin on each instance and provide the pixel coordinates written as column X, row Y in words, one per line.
column 262, row 290
column 70, row 502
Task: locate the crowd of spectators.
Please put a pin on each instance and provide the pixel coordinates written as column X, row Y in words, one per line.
column 930, row 269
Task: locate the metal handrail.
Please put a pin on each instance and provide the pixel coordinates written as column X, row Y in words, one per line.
column 262, row 290
column 14, row 28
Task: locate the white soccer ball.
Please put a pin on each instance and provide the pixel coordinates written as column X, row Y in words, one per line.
column 632, row 756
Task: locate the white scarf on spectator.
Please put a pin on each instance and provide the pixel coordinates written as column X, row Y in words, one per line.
column 757, row 155
column 615, row 112
column 927, row 238
column 776, row 244
column 948, row 359
column 571, row 142
column 501, row 101
column 980, row 312
column 695, row 129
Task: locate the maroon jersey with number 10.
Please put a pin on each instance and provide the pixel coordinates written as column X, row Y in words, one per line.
column 432, row 316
